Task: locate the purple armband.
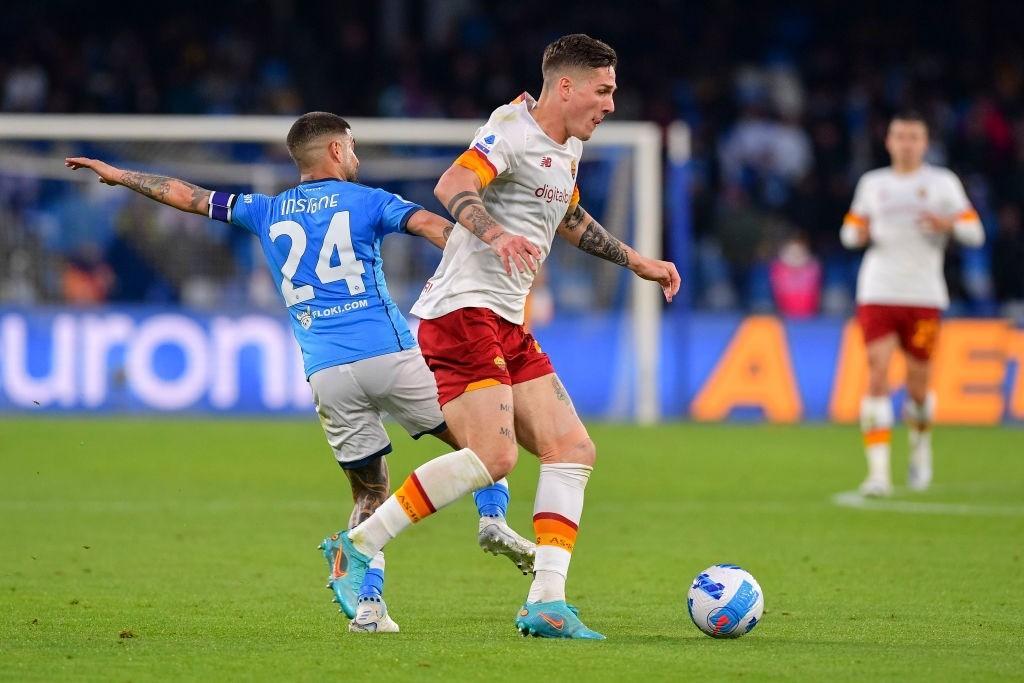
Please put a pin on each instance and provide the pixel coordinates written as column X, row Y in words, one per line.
column 220, row 206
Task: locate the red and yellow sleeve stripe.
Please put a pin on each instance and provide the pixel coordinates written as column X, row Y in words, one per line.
column 575, row 197
column 967, row 215
column 478, row 163
column 413, row 499
column 554, row 529
column 856, row 220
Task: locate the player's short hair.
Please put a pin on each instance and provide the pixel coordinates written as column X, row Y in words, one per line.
column 311, row 126
column 576, row 51
column 910, row 116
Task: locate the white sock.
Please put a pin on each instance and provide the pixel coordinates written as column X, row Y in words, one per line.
column 918, row 417
column 876, row 418
column 433, row 485
column 557, row 511
column 377, row 562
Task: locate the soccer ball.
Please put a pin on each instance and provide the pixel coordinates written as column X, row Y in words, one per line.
column 725, row 601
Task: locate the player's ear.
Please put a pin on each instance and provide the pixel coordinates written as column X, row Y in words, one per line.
column 565, row 86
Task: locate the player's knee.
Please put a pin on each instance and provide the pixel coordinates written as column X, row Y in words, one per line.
column 579, row 450
column 505, row 463
column 878, row 383
column 918, row 394
column 499, row 460
column 586, row 453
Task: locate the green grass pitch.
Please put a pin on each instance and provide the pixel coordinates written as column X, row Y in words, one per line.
column 137, row 550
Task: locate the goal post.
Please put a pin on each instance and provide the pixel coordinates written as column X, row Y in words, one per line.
column 643, row 201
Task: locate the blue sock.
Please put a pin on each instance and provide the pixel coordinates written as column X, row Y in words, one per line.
column 492, row 501
column 373, row 584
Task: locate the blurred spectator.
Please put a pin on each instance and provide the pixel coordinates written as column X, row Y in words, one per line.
column 1008, row 259
column 18, row 287
column 796, row 280
column 787, row 104
column 86, row 279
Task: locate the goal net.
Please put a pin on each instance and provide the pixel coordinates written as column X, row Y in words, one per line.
column 67, row 241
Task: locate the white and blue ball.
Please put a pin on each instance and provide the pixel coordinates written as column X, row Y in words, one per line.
column 725, row 601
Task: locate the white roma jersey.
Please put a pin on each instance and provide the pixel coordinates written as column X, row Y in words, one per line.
column 904, row 261
column 529, row 183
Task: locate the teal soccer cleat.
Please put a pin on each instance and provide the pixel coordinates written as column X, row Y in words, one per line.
column 347, row 567
column 553, row 620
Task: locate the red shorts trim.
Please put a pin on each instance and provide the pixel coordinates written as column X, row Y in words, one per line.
column 474, row 348
column 916, row 326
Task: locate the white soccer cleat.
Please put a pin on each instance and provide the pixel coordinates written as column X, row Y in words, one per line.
column 919, row 477
column 876, row 488
column 498, row 538
column 372, row 617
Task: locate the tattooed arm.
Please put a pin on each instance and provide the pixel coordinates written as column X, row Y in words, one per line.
column 370, row 487
column 170, row 191
column 581, row 230
column 459, row 191
column 431, row 227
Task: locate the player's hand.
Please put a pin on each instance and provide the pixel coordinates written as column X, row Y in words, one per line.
column 935, row 223
column 516, row 249
column 662, row 272
column 107, row 174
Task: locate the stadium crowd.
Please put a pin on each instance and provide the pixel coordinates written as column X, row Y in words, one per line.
column 787, row 107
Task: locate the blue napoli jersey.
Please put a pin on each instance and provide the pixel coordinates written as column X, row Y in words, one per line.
column 322, row 241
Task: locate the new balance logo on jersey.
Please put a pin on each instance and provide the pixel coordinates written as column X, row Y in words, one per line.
column 545, row 162
column 553, row 194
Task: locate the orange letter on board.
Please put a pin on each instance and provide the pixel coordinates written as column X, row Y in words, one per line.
column 754, row 371
column 970, row 369
column 1017, row 353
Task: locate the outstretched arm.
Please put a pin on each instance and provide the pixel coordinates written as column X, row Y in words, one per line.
column 430, row 226
column 170, row 191
column 581, row 230
column 459, row 191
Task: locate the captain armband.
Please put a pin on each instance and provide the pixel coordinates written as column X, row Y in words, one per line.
column 221, row 204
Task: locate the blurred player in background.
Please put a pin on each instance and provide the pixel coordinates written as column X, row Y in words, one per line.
column 905, row 214
column 322, row 243
column 512, row 191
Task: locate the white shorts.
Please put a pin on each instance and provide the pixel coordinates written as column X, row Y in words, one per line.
column 351, row 399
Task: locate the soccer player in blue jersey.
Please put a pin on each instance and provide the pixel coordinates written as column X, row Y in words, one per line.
column 321, row 240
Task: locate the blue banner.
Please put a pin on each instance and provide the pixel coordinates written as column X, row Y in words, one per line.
column 146, row 360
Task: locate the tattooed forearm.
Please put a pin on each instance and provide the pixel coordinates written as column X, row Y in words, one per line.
column 199, row 195
column 370, row 486
column 468, row 209
column 574, row 218
column 479, row 221
column 460, row 201
column 447, row 232
column 597, row 241
column 177, row 193
column 155, row 186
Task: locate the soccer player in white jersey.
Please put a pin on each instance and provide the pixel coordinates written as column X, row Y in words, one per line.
column 359, row 355
column 905, row 215
column 513, row 191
